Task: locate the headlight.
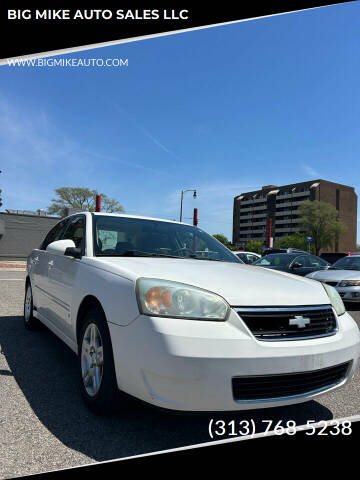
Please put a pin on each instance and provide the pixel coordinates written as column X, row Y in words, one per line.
column 349, row 283
column 335, row 299
column 163, row 298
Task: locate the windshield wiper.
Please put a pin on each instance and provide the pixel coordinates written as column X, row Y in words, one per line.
column 204, row 258
column 139, row 253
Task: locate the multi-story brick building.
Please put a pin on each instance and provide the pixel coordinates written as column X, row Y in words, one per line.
column 253, row 209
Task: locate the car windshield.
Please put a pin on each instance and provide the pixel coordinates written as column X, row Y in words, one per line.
column 275, row 260
column 347, row 263
column 123, row 236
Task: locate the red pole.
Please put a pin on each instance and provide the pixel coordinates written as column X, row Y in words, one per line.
column 268, row 233
column 195, row 217
column 98, row 203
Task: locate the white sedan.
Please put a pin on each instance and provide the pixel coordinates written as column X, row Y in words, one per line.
column 163, row 312
column 344, row 275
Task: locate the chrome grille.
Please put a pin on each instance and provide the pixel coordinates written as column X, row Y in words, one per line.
column 287, row 323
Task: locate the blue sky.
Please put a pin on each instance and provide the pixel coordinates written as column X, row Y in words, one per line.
column 222, row 110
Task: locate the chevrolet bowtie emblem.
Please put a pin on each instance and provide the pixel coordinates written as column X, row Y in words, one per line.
column 300, row 321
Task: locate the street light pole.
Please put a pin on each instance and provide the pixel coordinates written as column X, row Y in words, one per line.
column 181, row 203
column 182, row 198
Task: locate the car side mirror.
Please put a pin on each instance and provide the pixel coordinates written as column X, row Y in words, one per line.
column 75, row 252
column 296, row 265
column 60, row 246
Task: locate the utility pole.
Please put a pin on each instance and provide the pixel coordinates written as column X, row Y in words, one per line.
column 269, row 233
column 195, row 217
column 182, row 198
column 0, row 194
column 98, row 203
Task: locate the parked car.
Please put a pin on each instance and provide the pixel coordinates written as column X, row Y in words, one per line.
column 299, row 264
column 247, row 257
column 163, row 312
column 268, row 251
column 344, row 275
column 333, row 257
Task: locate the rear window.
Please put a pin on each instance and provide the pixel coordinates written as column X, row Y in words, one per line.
column 333, row 257
column 347, row 263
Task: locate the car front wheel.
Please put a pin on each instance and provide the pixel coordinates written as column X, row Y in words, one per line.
column 96, row 366
column 30, row 322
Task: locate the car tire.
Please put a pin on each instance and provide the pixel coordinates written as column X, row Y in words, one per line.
column 30, row 322
column 96, row 367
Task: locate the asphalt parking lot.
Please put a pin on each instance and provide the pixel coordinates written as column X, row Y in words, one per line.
column 44, row 425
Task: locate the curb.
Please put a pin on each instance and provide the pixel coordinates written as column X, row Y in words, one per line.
column 12, row 266
column 12, row 269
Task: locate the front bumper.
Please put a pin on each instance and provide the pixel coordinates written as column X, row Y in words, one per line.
column 189, row 365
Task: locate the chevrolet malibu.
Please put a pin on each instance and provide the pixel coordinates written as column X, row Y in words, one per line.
column 163, row 312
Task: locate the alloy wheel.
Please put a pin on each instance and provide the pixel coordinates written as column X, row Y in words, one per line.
column 28, row 304
column 92, row 359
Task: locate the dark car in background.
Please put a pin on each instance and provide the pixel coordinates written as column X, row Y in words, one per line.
column 297, row 263
column 333, row 257
column 268, row 251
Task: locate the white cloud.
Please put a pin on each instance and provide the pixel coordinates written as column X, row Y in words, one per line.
column 145, row 131
column 36, row 155
column 121, row 161
column 157, row 142
column 310, row 170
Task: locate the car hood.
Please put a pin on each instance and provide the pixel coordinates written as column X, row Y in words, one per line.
column 239, row 284
column 334, row 275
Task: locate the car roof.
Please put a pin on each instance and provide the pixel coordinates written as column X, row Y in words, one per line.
column 290, row 254
column 124, row 215
column 335, row 253
column 285, row 250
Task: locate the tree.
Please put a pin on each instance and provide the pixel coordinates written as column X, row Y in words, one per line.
column 110, row 205
column 298, row 240
column 254, row 246
column 224, row 240
column 83, row 198
column 320, row 220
